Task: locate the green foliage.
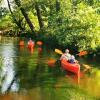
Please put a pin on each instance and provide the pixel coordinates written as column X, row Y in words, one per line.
column 6, row 23
column 3, row 12
column 76, row 24
column 78, row 29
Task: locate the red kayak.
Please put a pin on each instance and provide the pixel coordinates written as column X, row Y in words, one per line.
column 74, row 68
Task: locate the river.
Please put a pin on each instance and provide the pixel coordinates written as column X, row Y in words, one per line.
column 28, row 75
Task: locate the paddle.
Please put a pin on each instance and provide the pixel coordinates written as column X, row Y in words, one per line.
column 81, row 53
column 58, row 51
column 51, row 62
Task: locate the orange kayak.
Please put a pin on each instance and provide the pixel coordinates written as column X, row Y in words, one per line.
column 21, row 43
column 40, row 43
column 74, row 68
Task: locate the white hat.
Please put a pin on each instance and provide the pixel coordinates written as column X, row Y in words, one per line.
column 67, row 51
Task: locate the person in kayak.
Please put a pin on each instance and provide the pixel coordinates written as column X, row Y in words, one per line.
column 66, row 55
column 72, row 60
column 30, row 42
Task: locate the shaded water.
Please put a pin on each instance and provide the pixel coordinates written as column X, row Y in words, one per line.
column 26, row 75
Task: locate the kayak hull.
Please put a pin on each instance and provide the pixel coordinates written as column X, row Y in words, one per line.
column 74, row 68
column 31, row 46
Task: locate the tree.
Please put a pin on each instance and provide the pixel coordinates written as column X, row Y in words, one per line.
column 57, row 6
column 80, row 28
column 37, row 8
column 17, row 2
column 18, row 22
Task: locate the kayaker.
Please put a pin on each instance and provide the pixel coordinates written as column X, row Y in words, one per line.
column 30, row 42
column 72, row 60
column 66, row 55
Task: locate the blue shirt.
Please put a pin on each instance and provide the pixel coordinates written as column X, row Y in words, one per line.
column 72, row 61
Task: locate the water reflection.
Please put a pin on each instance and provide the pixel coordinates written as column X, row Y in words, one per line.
column 35, row 75
column 91, row 83
column 7, row 73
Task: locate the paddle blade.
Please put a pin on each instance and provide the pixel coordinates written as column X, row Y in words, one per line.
column 83, row 53
column 51, row 62
column 58, row 51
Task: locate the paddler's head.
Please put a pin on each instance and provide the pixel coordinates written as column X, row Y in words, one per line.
column 66, row 51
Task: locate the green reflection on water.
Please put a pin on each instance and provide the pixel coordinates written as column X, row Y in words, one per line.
column 36, row 80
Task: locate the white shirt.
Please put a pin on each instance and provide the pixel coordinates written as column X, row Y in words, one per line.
column 66, row 56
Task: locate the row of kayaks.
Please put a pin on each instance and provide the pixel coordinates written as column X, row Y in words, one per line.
column 30, row 43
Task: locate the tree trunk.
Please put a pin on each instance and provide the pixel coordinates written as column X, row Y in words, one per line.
column 25, row 16
column 51, row 13
column 51, row 7
column 41, row 24
column 59, row 20
column 57, row 6
column 18, row 23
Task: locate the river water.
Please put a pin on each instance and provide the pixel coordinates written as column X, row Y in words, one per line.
column 29, row 75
